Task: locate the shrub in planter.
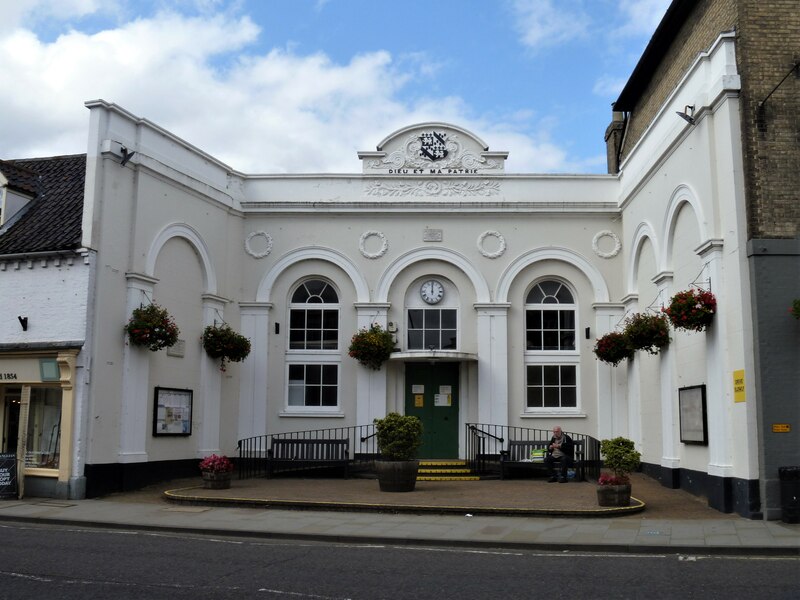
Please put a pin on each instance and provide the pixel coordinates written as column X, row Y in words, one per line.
column 220, row 341
column 152, row 327
column 613, row 348
column 692, row 309
column 371, row 347
column 621, row 458
column 399, row 436
column 795, row 309
column 647, row 331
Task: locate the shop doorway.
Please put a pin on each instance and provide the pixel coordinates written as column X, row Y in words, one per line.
column 432, row 394
column 11, row 400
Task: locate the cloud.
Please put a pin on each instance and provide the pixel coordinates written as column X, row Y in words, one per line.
column 641, row 17
column 206, row 79
column 544, row 23
column 608, row 87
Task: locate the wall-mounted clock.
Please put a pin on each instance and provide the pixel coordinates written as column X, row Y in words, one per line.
column 431, row 291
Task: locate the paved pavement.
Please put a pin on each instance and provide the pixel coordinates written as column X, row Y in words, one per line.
column 500, row 514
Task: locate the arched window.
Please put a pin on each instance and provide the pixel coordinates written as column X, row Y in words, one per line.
column 549, row 317
column 551, row 354
column 313, row 367
column 314, row 328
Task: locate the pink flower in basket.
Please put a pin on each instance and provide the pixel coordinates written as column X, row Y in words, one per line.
column 216, row 464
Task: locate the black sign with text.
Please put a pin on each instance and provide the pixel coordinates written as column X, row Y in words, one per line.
column 8, row 475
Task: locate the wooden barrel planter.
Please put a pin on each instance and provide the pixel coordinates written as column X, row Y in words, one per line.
column 397, row 475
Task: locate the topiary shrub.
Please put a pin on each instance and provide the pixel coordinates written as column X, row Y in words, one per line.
column 620, row 456
column 399, row 436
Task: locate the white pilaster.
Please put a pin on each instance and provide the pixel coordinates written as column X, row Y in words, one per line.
column 370, row 384
column 634, row 387
column 669, row 417
column 134, row 419
column 492, row 332
column 610, row 380
column 718, row 402
column 253, row 372
column 210, row 393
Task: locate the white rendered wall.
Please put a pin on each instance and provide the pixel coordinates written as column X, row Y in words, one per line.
column 52, row 293
column 683, row 184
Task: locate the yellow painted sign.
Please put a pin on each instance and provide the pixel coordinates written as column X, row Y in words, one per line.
column 419, row 400
column 738, row 386
column 781, row 428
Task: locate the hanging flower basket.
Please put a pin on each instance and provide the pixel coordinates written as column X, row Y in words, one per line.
column 372, row 347
column 647, row 331
column 613, row 348
column 152, row 327
column 691, row 309
column 795, row 309
column 220, row 341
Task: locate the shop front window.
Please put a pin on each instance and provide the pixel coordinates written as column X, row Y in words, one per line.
column 44, row 428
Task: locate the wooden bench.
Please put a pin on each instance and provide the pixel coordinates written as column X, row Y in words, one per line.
column 517, row 457
column 294, row 455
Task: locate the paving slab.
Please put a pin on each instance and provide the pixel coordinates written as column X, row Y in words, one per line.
column 669, row 521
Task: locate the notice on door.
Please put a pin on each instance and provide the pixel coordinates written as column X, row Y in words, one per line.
column 442, row 400
column 8, row 475
column 419, row 400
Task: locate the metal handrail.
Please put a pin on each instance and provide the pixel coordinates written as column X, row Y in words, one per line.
column 475, row 429
column 486, row 444
column 254, row 451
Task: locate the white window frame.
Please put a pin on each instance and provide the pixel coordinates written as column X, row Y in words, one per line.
column 313, row 410
column 314, row 306
column 407, row 346
column 313, row 356
column 551, row 357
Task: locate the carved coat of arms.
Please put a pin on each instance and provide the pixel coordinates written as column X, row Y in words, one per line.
column 433, row 145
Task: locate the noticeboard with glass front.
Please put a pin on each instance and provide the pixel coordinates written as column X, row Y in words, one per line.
column 172, row 411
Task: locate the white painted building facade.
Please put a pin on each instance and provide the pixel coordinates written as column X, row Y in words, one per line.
column 432, row 204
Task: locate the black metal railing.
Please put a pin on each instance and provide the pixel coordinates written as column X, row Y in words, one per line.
column 253, row 452
column 485, row 444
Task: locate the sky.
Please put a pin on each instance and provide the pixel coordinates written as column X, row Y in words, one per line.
column 300, row 86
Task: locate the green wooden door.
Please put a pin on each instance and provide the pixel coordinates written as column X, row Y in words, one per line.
column 432, row 395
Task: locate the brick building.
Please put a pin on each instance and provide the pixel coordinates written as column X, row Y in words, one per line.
column 767, row 63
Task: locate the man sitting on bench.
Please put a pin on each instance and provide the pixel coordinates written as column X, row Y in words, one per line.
column 560, row 452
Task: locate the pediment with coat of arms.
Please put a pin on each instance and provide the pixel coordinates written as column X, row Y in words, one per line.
column 433, row 149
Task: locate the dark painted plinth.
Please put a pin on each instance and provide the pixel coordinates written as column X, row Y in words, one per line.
column 118, row 477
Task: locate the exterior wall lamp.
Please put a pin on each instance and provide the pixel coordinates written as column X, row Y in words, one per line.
column 687, row 114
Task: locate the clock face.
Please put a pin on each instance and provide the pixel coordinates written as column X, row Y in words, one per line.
column 431, row 291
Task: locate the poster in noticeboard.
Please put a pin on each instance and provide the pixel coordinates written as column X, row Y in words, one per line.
column 692, row 408
column 172, row 412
